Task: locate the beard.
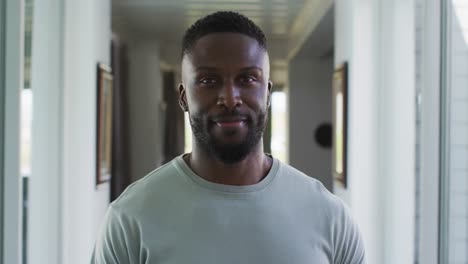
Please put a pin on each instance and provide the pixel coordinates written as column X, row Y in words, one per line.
column 228, row 153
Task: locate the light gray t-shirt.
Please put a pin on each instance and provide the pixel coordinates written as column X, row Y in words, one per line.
column 173, row 216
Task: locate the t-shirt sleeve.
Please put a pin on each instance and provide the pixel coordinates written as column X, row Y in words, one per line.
column 349, row 246
column 112, row 242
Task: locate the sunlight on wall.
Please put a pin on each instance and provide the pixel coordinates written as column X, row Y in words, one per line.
column 26, row 121
column 461, row 13
column 279, row 126
column 187, row 134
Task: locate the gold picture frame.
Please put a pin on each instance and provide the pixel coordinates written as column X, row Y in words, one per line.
column 104, row 124
column 340, row 124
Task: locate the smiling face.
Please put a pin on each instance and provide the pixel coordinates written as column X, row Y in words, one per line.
column 226, row 91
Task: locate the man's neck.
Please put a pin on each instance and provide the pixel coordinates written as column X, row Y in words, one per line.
column 250, row 170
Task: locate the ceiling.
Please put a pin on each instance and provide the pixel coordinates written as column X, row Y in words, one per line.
column 153, row 17
column 286, row 23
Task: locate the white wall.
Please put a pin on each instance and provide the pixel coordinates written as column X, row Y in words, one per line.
column 309, row 106
column 377, row 39
column 310, row 98
column 46, row 179
column 87, row 42
column 69, row 39
column 146, row 111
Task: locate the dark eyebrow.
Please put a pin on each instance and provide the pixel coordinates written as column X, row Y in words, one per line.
column 207, row 68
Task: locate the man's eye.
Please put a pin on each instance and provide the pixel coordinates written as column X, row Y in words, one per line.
column 208, row 81
column 247, row 79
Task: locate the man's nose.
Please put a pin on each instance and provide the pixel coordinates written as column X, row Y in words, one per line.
column 229, row 95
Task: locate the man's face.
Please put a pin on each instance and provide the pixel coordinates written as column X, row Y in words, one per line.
column 226, row 91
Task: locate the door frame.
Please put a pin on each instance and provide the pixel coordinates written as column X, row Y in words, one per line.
column 11, row 54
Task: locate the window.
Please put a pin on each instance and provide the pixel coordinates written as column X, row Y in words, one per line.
column 454, row 133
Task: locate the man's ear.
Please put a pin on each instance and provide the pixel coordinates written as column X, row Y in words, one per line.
column 270, row 88
column 182, row 98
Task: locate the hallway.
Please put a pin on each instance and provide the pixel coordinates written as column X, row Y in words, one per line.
column 403, row 91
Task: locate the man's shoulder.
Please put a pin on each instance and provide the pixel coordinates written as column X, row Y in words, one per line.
column 309, row 188
column 149, row 188
column 292, row 176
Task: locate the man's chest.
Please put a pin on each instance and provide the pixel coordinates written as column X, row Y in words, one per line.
column 234, row 236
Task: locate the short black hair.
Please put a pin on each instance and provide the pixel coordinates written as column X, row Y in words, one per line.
column 222, row 21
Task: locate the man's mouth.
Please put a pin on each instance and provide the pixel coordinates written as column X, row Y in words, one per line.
column 230, row 121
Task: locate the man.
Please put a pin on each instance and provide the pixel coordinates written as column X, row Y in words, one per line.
column 227, row 201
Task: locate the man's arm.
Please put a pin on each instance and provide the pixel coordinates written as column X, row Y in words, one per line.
column 349, row 247
column 112, row 242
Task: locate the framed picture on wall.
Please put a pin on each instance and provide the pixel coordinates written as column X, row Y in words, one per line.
column 104, row 124
column 340, row 124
